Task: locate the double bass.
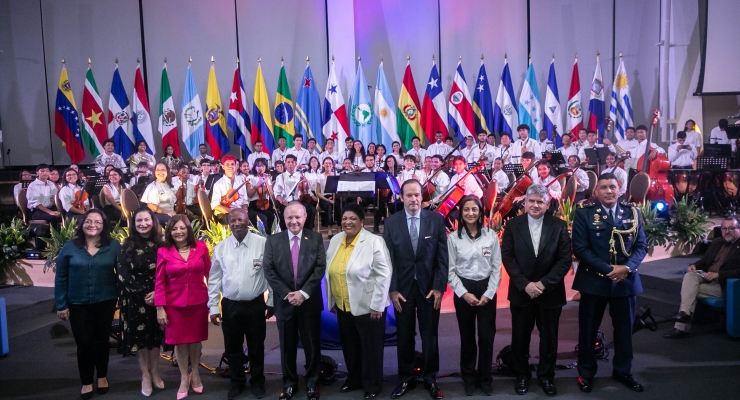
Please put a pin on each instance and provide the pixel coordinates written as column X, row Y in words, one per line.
column 656, row 169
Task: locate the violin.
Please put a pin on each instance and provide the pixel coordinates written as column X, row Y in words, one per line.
column 264, row 193
column 81, row 197
column 181, row 195
column 196, row 189
column 303, row 189
column 231, row 195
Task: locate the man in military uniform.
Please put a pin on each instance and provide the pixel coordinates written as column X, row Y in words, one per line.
column 609, row 242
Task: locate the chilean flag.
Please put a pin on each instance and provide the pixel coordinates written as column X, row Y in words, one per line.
column 336, row 125
column 238, row 119
column 433, row 110
column 461, row 110
column 142, row 120
column 597, row 105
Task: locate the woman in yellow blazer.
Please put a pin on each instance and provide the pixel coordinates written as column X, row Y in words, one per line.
column 358, row 278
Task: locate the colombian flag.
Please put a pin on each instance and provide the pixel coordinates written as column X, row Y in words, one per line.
column 261, row 128
column 67, row 121
column 409, row 111
column 216, row 126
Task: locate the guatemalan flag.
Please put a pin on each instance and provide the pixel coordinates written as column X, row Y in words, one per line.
column 553, row 114
column 119, row 118
column 67, row 119
column 261, row 120
column 385, row 111
column 361, row 110
column 335, row 113
column 505, row 116
column 529, row 104
column 620, row 109
column 596, row 104
column 238, row 119
column 192, row 116
column 308, row 110
column 482, row 102
column 433, row 110
column 574, row 110
column 141, row 117
column 216, row 126
column 460, row 115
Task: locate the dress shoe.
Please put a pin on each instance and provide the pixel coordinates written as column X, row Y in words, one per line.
column 469, row 389
column 86, row 396
column 682, row 317
column 434, row 391
column 486, row 388
column 347, row 387
column 258, row 391
column 628, row 381
column 146, row 387
column 676, row 334
column 234, row 391
column 181, row 395
column 196, row 389
column 548, row 387
column 103, row 389
column 158, row 384
column 402, row 389
column 369, row 395
column 288, row 392
column 521, row 387
column 313, row 393
column 585, row 384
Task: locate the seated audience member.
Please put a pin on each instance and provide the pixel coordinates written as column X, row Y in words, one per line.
column 707, row 278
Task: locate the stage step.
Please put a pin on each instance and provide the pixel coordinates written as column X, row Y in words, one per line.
column 661, row 284
column 29, row 308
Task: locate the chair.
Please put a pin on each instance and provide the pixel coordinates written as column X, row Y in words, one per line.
column 730, row 304
column 592, row 179
column 60, row 208
column 569, row 190
column 639, row 187
column 205, row 208
column 22, row 202
column 129, row 203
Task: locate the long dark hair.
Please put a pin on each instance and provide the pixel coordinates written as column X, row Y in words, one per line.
column 135, row 240
column 395, row 164
column 260, row 161
column 169, row 241
column 105, row 238
column 353, row 152
column 461, row 222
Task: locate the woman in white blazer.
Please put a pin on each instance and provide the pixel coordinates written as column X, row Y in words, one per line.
column 358, row 277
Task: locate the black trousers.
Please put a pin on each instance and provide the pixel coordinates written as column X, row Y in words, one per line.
column 91, row 324
column 114, row 215
column 36, row 213
column 385, row 206
column 267, row 216
column 467, row 316
column 417, row 306
column 308, row 325
column 523, row 320
column 332, row 213
column 242, row 319
column 162, row 218
column 310, row 215
column 579, row 196
column 590, row 312
column 362, row 346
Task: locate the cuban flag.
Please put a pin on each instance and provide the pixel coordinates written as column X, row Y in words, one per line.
column 620, row 109
column 192, row 116
column 482, row 107
column 361, row 110
column 529, row 104
column 553, row 114
column 460, row 115
column 433, row 107
column 574, row 110
column 308, row 110
column 385, row 111
column 238, row 120
column 596, row 105
column 119, row 118
column 142, row 119
column 504, row 112
column 261, row 120
column 336, row 125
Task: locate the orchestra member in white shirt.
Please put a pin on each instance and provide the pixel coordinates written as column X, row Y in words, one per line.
column 224, row 184
column 416, row 151
column 581, row 177
column 329, row 152
column 483, row 151
column 109, row 158
column 719, row 134
column 545, row 177
column 349, row 144
column 693, row 138
column 469, row 183
column 468, row 153
column 441, row 181
column 582, row 138
column 280, row 153
column 499, row 175
column 622, row 176
column 396, row 152
column 258, row 153
column 313, row 151
column 568, row 149
column 286, row 190
column 299, row 152
column 451, row 144
column 545, row 143
column 525, row 144
column 438, row 147
column 682, row 154
column 592, row 143
column 203, row 150
column 504, row 149
column 629, row 145
column 410, row 171
column 491, row 139
column 641, row 135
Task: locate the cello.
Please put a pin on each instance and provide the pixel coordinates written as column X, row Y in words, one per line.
column 181, row 195
column 453, row 196
column 656, row 169
column 519, row 188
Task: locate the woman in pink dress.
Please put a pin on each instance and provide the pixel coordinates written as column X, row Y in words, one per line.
column 180, row 294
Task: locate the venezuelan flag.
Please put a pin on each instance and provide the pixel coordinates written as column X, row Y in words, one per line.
column 66, row 119
column 261, row 128
column 216, row 126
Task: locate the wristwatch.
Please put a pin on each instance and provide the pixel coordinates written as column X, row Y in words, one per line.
column 629, row 270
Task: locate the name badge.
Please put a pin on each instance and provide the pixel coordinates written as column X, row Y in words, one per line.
column 487, row 252
column 257, row 264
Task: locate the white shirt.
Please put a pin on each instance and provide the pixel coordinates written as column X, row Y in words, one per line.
column 683, row 157
column 221, row 186
column 408, row 174
column 254, row 156
column 290, row 245
column 67, row 196
column 469, row 154
column 555, row 189
column 535, row 232
column 631, row 147
column 441, row 183
column 300, row 154
column 114, row 193
column 315, row 153
column 189, row 188
column 502, row 179
column 40, row 194
column 200, row 158
column 622, row 177
column 334, row 156
column 17, row 189
column 582, row 151
column 284, row 183
column 441, row 149
column 639, row 151
column 694, row 139
column 505, row 153
column 569, row 151
column 531, row 145
column 488, row 150
column 718, row 136
column 160, row 194
column 469, row 184
column 475, row 260
column 278, row 155
column 103, row 160
column 547, row 145
column 421, row 153
column 583, row 182
column 236, row 271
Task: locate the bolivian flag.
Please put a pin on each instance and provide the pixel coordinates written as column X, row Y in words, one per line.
column 409, row 111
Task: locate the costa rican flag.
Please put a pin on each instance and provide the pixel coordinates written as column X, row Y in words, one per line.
column 460, row 115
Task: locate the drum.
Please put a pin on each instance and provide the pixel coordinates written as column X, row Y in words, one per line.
column 685, row 182
column 729, row 184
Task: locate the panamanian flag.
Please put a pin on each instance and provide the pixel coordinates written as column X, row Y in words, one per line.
column 336, row 125
column 119, row 118
column 433, row 107
column 460, row 115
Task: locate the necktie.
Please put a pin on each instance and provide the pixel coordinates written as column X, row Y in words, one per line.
column 294, row 256
column 611, row 216
column 414, row 234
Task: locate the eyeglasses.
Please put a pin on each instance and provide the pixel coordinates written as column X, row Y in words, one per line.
column 91, row 222
column 728, row 228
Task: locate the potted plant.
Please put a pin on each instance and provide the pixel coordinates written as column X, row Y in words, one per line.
column 688, row 224
column 657, row 232
column 55, row 243
column 12, row 243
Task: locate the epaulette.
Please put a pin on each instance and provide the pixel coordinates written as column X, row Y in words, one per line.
column 628, row 204
column 586, row 204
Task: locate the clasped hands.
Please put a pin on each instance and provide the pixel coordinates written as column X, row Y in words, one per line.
column 474, row 301
column 296, row 298
column 534, row 289
column 618, row 274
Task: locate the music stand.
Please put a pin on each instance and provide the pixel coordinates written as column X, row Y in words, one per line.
column 95, row 184
column 554, row 157
column 704, row 163
column 597, row 156
column 718, row 150
column 733, row 131
column 24, row 184
column 516, row 169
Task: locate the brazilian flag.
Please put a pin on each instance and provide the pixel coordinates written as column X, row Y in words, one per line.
column 284, row 112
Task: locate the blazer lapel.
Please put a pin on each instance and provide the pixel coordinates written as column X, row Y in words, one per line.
column 545, row 234
column 356, row 251
column 524, row 232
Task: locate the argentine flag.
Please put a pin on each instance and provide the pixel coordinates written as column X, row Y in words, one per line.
column 505, row 116
column 192, row 116
column 361, row 114
column 384, row 122
column 553, row 114
column 529, row 104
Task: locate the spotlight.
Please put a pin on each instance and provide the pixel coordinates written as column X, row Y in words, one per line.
column 660, row 206
column 661, row 210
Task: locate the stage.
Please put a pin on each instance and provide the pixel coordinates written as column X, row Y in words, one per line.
column 42, row 365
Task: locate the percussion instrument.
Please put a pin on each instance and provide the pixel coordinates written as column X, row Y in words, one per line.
column 685, row 182
column 729, row 183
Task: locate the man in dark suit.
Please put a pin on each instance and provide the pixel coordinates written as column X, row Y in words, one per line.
column 417, row 242
column 609, row 242
column 294, row 263
column 707, row 278
column 536, row 254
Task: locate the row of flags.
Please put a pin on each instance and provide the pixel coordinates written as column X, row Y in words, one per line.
column 366, row 118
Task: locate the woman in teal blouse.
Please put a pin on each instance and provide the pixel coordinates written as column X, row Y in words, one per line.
column 85, row 291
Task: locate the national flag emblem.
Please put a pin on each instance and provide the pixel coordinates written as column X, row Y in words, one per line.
column 620, row 108
column 574, row 110
column 361, row 110
column 596, row 104
column 93, row 116
column 167, row 118
column 66, row 119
